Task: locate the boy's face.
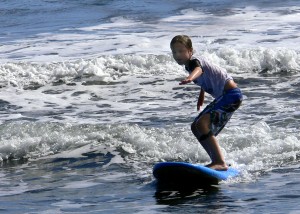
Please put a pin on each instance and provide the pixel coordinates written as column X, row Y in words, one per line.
column 181, row 54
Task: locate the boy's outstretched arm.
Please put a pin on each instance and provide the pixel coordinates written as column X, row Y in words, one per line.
column 200, row 99
column 194, row 75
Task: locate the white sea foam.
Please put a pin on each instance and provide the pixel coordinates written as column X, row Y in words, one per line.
column 110, row 68
column 68, row 205
column 249, row 148
column 80, row 184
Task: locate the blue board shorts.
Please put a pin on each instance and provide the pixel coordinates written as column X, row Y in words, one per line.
column 222, row 108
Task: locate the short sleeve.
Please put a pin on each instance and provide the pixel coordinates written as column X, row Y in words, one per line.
column 194, row 63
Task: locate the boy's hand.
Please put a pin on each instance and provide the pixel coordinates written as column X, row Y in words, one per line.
column 199, row 104
column 200, row 99
column 186, row 81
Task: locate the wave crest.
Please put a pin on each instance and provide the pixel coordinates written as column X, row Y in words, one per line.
column 112, row 68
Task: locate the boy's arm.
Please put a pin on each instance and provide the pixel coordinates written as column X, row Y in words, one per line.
column 194, row 75
column 200, row 99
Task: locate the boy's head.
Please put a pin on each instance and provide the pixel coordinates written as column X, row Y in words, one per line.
column 184, row 40
column 182, row 49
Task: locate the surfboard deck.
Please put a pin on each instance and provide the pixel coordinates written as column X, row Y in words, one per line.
column 182, row 172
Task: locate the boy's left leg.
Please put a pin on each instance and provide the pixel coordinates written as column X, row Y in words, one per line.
column 201, row 129
column 217, row 157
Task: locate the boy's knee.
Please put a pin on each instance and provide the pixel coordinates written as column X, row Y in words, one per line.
column 202, row 125
column 205, row 136
column 201, row 131
column 199, row 127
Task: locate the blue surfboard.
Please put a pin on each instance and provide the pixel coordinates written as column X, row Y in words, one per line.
column 182, row 172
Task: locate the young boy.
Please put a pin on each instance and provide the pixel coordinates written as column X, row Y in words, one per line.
column 220, row 85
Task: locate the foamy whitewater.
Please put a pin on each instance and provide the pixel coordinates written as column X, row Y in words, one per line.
column 90, row 100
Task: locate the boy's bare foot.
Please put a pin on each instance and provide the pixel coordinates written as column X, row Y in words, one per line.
column 215, row 166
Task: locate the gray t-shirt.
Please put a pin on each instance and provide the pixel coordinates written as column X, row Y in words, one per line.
column 213, row 78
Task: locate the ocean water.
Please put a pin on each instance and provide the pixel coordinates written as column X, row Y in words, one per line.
column 90, row 101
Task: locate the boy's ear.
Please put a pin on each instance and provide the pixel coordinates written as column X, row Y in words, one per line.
column 192, row 51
